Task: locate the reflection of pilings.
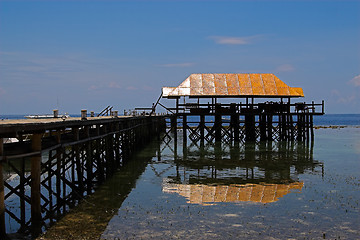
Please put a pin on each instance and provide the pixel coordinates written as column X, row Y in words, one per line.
column 98, row 207
column 249, row 162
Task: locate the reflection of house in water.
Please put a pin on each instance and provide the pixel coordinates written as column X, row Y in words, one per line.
column 251, row 172
column 203, row 194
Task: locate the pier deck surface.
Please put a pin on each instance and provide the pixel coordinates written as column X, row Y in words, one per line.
column 9, row 126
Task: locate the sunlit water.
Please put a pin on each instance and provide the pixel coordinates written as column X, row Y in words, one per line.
column 267, row 191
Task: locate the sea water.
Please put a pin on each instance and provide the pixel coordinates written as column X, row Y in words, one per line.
column 218, row 191
column 271, row 191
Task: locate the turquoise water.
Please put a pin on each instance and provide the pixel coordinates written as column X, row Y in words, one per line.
column 267, row 191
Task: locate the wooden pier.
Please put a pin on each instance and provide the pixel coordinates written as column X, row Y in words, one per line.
column 59, row 161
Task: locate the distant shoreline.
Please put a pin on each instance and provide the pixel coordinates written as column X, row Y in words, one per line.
column 336, row 126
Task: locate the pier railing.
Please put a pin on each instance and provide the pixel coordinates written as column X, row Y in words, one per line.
column 256, row 108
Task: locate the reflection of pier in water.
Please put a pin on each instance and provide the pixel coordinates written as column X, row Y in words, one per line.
column 253, row 171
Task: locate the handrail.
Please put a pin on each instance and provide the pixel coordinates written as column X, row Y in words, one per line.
column 105, row 111
column 266, row 107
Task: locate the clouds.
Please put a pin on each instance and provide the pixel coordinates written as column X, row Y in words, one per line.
column 285, row 68
column 25, row 67
column 355, row 81
column 346, row 96
column 227, row 40
column 186, row 64
column 342, row 98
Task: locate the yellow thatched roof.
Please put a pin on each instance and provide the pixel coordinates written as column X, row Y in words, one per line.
column 232, row 85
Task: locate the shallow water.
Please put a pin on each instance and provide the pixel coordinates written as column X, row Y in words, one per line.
column 269, row 191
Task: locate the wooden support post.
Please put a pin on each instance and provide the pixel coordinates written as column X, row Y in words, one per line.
column 173, row 123
column 58, row 172
column 99, row 158
column 250, row 127
column 291, row 127
column 36, row 185
column 109, row 152
column 262, row 126
column 2, row 196
column 50, row 189
column 174, row 126
column 117, row 145
column 270, row 127
column 79, row 170
column 125, row 142
column 300, row 127
column 89, row 171
column 307, row 126
column 284, row 126
column 312, row 127
column 177, row 106
column 235, row 126
column 202, row 128
column 218, row 126
column 184, row 130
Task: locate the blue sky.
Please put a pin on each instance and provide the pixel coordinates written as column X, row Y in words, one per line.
column 75, row 55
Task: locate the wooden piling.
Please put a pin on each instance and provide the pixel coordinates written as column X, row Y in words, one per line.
column 269, row 127
column 307, row 126
column 99, row 159
column 184, row 130
column 79, row 170
column 218, row 126
column 36, row 185
column 234, row 119
column 89, row 172
column 202, row 128
column 58, row 172
column 262, row 126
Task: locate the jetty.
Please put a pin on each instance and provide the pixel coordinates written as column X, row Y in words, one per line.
column 58, row 161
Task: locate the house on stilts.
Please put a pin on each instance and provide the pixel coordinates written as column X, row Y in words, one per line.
column 240, row 107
